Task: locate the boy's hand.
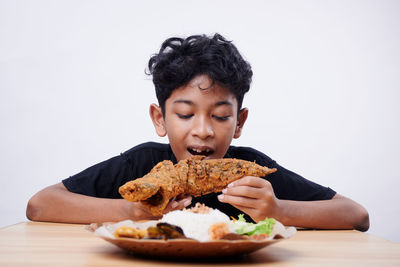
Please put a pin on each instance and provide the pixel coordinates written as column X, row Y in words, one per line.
column 252, row 195
column 178, row 203
column 137, row 211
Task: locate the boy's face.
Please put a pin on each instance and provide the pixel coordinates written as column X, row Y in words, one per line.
column 199, row 121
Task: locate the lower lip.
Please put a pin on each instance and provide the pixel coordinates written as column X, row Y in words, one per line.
column 207, row 157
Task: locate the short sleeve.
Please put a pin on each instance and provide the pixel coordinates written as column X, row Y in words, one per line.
column 291, row 186
column 286, row 184
column 102, row 179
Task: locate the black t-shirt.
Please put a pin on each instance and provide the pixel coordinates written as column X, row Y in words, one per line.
column 103, row 179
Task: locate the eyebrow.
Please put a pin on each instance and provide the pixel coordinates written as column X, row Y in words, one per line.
column 219, row 103
column 183, row 101
column 224, row 102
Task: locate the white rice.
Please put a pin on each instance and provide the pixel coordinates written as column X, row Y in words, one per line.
column 196, row 225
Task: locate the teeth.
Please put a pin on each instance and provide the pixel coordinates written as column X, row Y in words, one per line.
column 199, row 151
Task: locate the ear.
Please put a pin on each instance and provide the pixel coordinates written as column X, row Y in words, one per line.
column 243, row 113
column 158, row 120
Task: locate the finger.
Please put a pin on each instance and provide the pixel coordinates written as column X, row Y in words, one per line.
column 183, row 203
column 178, row 204
column 240, row 201
column 172, row 204
column 250, row 181
column 245, row 191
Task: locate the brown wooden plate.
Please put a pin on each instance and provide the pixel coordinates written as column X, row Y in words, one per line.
column 185, row 248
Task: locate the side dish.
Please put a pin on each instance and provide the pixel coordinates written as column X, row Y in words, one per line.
column 202, row 223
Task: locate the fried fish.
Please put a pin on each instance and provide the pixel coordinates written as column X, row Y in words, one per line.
column 194, row 176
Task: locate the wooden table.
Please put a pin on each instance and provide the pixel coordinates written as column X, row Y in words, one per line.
column 53, row 244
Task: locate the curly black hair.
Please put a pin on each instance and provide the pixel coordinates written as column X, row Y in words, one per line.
column 180, row 60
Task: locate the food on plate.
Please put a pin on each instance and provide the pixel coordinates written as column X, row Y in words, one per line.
column 218, row 230
column 194, row 176
column 261, row 228
column 203, row 224
column 165, row 231
column 198, row 232
column 159, row 231
column 132, row 232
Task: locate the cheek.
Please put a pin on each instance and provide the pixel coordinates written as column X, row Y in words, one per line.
column 177, row 129
column 225, row 133
column 226, row 128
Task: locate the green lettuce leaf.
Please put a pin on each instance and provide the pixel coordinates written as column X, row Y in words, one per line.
column 242, row 227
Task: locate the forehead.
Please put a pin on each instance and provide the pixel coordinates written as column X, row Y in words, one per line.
column 202, row 91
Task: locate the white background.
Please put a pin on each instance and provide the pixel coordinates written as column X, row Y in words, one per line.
column 323, row 103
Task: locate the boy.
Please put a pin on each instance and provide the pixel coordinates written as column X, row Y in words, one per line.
column 200, row 82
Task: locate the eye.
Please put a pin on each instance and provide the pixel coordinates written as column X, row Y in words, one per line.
column 182, row 116
column 223, row 118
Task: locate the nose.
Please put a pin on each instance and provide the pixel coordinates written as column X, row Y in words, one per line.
column 202, row 127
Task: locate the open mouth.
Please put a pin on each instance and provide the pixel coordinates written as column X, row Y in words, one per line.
column 200, row 151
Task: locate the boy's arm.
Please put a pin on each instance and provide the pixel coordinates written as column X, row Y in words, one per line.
column 256, row 197
column 56, row 204
column 337, row 213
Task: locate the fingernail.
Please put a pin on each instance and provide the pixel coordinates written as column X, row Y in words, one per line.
column 230, row 185
column 187, row 203
column 221, row 197
column 224, row 191
column 174, row 204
